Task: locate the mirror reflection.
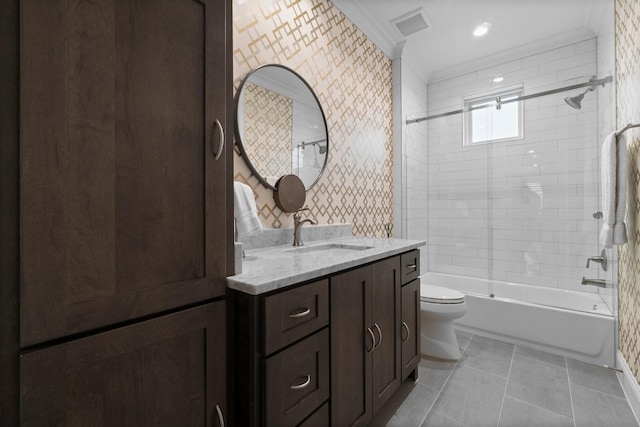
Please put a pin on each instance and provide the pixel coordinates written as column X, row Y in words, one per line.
column 280, row 126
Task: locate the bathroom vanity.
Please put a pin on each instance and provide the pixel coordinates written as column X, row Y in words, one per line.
column 323, row 334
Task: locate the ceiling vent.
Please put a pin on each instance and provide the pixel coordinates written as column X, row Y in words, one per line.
column 411, row 23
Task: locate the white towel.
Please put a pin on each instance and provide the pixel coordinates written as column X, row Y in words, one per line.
column 614, row 190
column 246, row 212
column 619, row 227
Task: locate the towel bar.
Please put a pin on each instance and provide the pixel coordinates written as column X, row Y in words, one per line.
column 624, row 129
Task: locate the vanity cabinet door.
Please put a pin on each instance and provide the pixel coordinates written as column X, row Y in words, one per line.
column 365, row 341
column 352, row 343
column 166, row 371
column 386, row 363
column 124, row 208
column 410, row 333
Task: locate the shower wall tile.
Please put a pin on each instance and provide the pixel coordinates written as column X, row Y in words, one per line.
column 353, row 81
column 519, row 210
column 552, row 56
column 627, row 35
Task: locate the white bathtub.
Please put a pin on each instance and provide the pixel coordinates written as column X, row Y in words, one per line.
column 570, row 323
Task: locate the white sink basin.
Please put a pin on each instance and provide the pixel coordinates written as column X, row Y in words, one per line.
column 329, row 249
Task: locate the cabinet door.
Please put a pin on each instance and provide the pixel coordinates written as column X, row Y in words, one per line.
column 386, row 369
column 167, row 371
column 410, row 334
column 352, row 342
column 123, row 207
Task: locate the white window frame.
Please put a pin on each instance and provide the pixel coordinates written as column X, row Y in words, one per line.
column 470, row 101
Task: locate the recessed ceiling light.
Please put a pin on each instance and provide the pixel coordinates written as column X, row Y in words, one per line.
column 498, row 79
column 481, row 29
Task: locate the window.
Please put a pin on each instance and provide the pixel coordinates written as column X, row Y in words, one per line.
column 484, row 123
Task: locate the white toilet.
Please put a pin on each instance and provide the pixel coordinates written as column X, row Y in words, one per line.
column 438, row 308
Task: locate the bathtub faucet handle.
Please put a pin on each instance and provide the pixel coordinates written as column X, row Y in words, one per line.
column 597, row 259
column 602, row 260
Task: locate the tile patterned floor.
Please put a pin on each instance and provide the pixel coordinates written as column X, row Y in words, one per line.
column 505, row 385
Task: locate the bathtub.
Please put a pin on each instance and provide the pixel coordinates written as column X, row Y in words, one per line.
column 569, row 323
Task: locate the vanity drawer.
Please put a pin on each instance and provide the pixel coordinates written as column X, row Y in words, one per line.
column 297, row 380
column 410, row 266
column 320, row 418
column 293, row 314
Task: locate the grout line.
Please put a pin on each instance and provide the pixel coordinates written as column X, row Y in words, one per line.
column 573, row 412
column 504, row 396
column 444, row 385
column 595, row 390
column 432, row 405
column 544, row 361
column 540, row 408
column 486, row 372
column 426, row 415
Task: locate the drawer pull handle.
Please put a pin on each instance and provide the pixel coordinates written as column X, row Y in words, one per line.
column 305, row 383
column 404, row 324
column 373, row 340
column 300, row 313
column 412, row 266
column 380, row 333
column 220, row 416
column 221, row 147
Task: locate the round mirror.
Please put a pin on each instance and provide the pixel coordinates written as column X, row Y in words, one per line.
column 280, row 126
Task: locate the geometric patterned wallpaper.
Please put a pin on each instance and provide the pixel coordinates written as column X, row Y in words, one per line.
column 627, row 39
column 268, row 126
column 352, row 80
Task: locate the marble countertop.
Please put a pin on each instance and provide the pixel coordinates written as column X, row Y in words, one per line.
column 268, row 269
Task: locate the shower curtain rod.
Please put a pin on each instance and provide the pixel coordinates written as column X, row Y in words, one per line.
column 592, row 83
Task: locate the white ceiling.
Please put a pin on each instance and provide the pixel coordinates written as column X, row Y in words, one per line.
column 448, row 47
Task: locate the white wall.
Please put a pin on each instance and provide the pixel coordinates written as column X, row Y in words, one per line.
column 521, row 210
column 410, row 158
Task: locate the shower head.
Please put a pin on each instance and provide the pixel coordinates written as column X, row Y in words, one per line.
column 575, row 101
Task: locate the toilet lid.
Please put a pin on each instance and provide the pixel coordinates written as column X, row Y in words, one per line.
column 440, row 295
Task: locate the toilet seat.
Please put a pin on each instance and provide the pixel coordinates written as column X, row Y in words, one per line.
column 440, row 295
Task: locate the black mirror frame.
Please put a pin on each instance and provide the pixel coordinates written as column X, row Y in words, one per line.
column 240, row 144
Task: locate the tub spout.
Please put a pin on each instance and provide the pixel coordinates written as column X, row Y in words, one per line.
column 595, row 282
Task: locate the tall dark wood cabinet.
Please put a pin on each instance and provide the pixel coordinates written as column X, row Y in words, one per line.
column 9, row 239
column 122, row 200
column 124, row 209
column 166, row 371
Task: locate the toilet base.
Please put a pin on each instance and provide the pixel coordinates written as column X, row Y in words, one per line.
column 438, row 339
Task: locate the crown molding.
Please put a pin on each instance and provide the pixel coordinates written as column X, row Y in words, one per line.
column 519, row 52
column 374, row 31
column 388, row 40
